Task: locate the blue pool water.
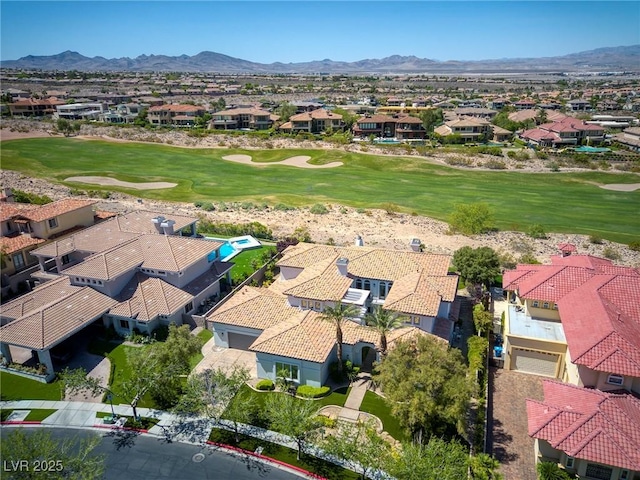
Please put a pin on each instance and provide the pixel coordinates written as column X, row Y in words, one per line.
column 243, row 241
column 588, row 149
column 392, row 142
column 226, row 249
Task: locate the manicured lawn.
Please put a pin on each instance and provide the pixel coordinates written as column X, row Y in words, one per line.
column 205, row 335
column 14, row 387
column 376, row 405
column 35, row 415
column 560, row 202
column 243, row 260
column 284, row 454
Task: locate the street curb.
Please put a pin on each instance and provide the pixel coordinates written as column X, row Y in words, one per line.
column 21, row 422
column 268, row 459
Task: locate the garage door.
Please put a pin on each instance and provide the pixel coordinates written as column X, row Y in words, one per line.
column 242, row 342
column 529, row 361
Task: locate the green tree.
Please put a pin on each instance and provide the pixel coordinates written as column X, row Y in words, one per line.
column 337, row 315
column 471, row 219
column 551, row 471
column 242, row 409
column 142, row 119
column 426, row 385
column 286, row 111
column 477, row 265
column 348, row 117
column 64, row 126
column 210, row 392
column 70, row 458
column 383, row 321
column 537, row 231
column 293, row 417
column 361, row 444
column 436, row 460
column 431, row 119
column 484, row 467
column 482, row 319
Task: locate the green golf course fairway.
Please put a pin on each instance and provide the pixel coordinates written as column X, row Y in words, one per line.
column 560, row 202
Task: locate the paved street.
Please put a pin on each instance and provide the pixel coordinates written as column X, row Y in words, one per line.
column 144, row 457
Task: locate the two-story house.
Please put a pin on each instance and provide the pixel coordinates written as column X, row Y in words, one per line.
column 315, row 121
column 566, row 131
column 31, row 107
column 282, row 324
column 243, row 118
column 175, row 115
column 469, row 129
column 401, row 127
column 577, row 321
column 25, row 226
column 134, row 271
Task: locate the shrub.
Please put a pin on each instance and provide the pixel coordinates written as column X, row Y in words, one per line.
column 495, row 164
column 595, row 239
column 537, row 231
column 542, row 155
column 307, row 391
column 610, row 253
column 318, row 209
column 554, row 167
column 326, row 422
column 265, row 384
column 476, row 352
column 283, row 207
column 634, row 246
column 349, row 370
column 25, row 197
column 207, row 206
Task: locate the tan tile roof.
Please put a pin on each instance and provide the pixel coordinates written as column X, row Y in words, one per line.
column 38, row 297
column 254, row 308
column 18, row 242
column 318, row 114
column 144, row 298
column 52, row 323
column 309, row 338
column 11, row 209
column 243, row 111
column 421, row 294
column 176, row 108
column 140, row 221
column 158, row 252
column 52, row 210
column 321, row 281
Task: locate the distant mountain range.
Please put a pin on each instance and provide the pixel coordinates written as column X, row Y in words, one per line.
column 626, row 58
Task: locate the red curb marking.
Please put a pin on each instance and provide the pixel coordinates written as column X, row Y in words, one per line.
column 21, row 422
column 293, row 467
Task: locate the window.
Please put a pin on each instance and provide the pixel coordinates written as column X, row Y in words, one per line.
column 18, row 261
column 65, row 259
column 366, row 285
column 545, row 305
column 599, row 472
column 615, row 380
column 291, row 371
column 359, row 283
column 536, row 303
column 624, row 475
column 53, row 222
column 570, row 462
column 415, row 320
column 124, row 324
column 304, row 304
column 188, row 307
column 555, row 306
column 317, row 306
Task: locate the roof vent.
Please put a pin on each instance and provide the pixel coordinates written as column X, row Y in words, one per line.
column 415, row 244
column 359, row 241
column 157, row 222
column 167, row 226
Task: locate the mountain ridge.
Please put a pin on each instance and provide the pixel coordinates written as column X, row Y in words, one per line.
column 622, row 58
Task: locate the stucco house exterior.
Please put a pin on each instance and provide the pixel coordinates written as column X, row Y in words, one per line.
column 24, row 227
column 282, row 323
column 315, row 121
column 577, row 322
column 133, row 272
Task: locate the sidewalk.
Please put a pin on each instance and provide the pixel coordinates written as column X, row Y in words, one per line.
column 351, row 409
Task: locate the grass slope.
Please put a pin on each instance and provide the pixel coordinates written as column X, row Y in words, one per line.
column 561, row 202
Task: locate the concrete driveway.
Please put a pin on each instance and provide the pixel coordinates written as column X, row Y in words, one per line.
column 218, row 357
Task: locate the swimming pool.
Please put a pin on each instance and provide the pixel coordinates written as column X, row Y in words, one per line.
column 227, row 250
column 233, row 246
column 588, row 149
column 388, row 141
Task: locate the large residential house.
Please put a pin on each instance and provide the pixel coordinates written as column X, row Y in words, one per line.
column 469, row 129
column 31, row 107
column 175, row 115
column 630, row 138
column 315, row 121
column 402, row 127
column 80, row 111
column 577, row 322
column 567, row 131
column 243, row 118
column 26, row 226
column 282, row 323
column 133, row 272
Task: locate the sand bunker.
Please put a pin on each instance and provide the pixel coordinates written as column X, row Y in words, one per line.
column 621, row 187
column 299, row 161
column 118, row 183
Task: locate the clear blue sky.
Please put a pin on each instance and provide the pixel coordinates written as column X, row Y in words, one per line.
column 266, row 31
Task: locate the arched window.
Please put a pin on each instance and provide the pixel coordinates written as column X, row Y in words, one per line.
column 359, row 283
column 367, row 285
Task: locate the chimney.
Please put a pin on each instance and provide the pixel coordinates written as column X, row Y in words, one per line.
column 415, row 244
column 7, row 195
column 167, row 226
column 342, row 263
column 359, row 241
column 157, row 222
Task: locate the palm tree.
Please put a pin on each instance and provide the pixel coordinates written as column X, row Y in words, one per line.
column 383, row 321
column 338, row 315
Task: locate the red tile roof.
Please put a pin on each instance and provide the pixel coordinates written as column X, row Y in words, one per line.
column 52, row 210
column 567, row 247
column 588, row 424
column 19, row 242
